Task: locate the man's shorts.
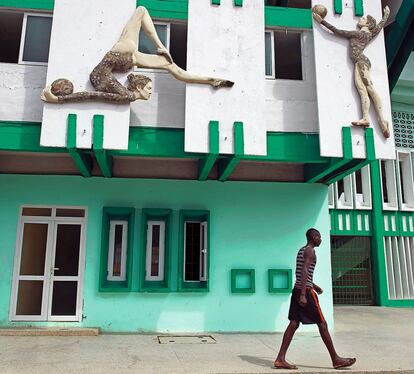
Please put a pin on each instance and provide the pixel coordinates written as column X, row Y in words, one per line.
column 308, row 314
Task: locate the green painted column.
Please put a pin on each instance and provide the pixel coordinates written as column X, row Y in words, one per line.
column 338, row 6
column 359, row 8
column 378, row 255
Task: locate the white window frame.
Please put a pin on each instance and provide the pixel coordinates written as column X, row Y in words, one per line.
column 167, row 42
column 272, row 46
column 391, row 182
column 348, row 201
column 161, row 254
column 331, row 196
column 366, row 202
column 406, row 202
column 111, row 250
column 203, row 251
column 291, row 30
column 52, row 221
column 23, row 38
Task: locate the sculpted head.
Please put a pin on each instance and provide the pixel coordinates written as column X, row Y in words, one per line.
column 367, row 21
column 140, row 85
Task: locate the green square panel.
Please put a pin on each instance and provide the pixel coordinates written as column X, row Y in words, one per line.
column 238, row 2
column 242, row 281
column 280, row 280
column 215, row 2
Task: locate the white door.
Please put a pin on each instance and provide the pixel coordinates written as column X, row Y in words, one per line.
column 48, row 270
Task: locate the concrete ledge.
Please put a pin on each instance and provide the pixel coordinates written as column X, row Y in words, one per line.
column 49, row 331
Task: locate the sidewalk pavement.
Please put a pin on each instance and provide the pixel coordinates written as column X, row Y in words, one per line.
column 382, row 339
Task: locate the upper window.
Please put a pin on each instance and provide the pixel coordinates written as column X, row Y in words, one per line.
column 28, row 37
column 405, row 181
column 283, row 54
column 362, row 188
column 173, row 36
column 344, row 198
column 388, row 185
column 304, row 4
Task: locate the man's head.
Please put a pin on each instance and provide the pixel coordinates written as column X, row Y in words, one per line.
column 314, row 237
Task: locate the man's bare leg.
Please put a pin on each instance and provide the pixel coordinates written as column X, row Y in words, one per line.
column 337, row 361
column 280, row 362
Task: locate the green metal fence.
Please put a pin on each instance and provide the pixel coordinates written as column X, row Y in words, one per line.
column 351, row 270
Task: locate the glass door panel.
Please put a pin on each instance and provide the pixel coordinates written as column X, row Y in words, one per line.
column 64, row 298
column 65, row 272
column 29, row 299
column 34, row 244
column 32, row 274
column 67, row 250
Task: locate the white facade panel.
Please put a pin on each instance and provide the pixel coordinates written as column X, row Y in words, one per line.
column 338, row 99
column 82, row 32
column 226, row 41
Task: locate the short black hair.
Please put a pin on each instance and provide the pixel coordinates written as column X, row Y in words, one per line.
column 310, row 233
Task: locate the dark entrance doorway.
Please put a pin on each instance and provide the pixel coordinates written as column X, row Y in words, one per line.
column 351, row 270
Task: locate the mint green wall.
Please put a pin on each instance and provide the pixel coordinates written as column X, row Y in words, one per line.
column 253, row 225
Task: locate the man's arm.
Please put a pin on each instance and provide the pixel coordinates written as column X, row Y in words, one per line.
column 308, row 255
column 381, row 24
column 318, row 289
column 339, row 32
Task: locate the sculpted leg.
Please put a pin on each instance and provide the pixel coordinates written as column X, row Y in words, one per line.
column 377, row 103
column 161, row 62
column 363, row 93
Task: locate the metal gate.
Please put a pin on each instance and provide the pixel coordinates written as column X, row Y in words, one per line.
column 351, row 270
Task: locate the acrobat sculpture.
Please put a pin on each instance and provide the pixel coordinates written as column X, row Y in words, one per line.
column 359, row 39
column 122, row 57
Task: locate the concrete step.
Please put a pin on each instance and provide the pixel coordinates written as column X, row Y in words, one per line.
column 49, row 331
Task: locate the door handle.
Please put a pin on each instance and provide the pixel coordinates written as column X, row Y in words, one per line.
column 56, row 269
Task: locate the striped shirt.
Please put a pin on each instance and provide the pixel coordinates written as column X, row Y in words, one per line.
column 300, row 260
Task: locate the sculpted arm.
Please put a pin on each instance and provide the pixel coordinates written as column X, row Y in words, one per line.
column 339, row 32
column 381, row 23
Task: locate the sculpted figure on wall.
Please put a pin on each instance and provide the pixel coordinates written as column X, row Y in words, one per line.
column 368, row 29
column 122, row 57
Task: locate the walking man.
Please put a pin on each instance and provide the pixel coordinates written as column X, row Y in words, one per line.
column 304, row 305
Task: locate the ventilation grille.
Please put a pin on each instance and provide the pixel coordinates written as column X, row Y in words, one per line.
column 403, row 129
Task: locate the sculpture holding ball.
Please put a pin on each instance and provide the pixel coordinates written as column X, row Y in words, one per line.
column 368, row 29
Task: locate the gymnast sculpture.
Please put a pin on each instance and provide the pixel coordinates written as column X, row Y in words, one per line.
column 359, row 39
column 122, row 57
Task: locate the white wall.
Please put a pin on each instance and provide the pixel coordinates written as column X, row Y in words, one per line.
column 20, row 88
column 338, row 100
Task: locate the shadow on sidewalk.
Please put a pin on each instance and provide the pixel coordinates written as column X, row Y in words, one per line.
column 266, row 362
column 259, row 361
